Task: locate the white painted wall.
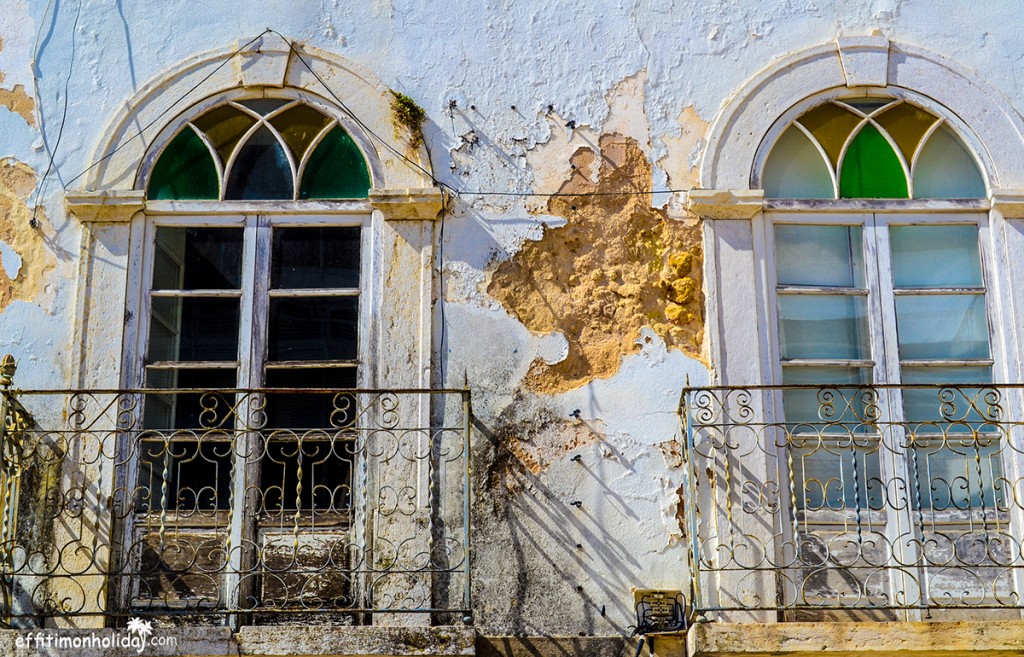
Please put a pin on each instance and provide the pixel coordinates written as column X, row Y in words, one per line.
column 82, row 60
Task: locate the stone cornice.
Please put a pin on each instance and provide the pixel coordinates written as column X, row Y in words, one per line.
column 725, row 203
column 423, row 204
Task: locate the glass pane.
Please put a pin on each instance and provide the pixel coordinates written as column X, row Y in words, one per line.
column 193, row 328
column 838, row 475
column 826, row 327
column 871, row 168
column 198, row 259
column 955, row 400
column 942, row 326
column 184, row 474
column 317, row 328
column 866, row 105
column 948, row 475
column 336, row 169
column 796, row 169
column 831, row 125
column 306, row 410
column 210, row 410
column 917, row 249
column 819, row 256
column 945, row 169
column 263, row 106
column 299, row 126
column 844, row 409
column 185, row 170
column 906, row 124
column 315, row 258
column 224, row 126
column 261, row 170
column 312, row 471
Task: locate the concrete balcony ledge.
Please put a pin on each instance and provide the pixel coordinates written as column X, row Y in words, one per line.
column 989, row 638
column 263, row 641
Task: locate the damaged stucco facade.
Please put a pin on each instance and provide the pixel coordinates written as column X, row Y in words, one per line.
column 564, row 283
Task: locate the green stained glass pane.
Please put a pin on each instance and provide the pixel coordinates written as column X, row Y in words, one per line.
column 185, row 170
column 224, row 126
column 299, row 126
column 796, row 169
column 336, row 169
column 831, row 125
column 871, row 168
column 906, row 124
column 945, row 169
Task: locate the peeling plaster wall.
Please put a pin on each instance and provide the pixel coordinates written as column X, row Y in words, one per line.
column 575, row 319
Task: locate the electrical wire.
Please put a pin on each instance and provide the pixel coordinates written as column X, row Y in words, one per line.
column 34, row 221
column 159, row 116
column 360, row 123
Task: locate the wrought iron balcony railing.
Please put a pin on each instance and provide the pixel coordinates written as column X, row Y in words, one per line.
column 243, row 505
column 814, row 499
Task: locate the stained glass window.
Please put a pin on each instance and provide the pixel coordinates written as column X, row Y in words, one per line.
column 870, row 148
column 260, row 149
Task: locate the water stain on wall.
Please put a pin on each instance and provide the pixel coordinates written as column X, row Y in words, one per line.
column 617, row 265
column 17, row 181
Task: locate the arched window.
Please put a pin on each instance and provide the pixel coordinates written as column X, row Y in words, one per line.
column 241, row 292
column 870, row 148
column 260, row 149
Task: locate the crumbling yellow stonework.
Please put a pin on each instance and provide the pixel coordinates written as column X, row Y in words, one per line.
column 616, row 266
column 17, row 181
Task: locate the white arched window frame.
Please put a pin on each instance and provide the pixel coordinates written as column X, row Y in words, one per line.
column 740, row 226
column 395, row 221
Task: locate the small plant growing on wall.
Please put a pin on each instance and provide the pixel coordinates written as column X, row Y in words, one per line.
column 408, row 116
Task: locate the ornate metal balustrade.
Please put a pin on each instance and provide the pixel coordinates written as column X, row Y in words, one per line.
column 240, row 505
column 819, row 500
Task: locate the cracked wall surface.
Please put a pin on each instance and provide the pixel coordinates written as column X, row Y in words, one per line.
column 616, row 266
column 575, row 320
column 24, row 243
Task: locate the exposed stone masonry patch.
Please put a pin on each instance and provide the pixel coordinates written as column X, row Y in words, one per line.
column 616, row 266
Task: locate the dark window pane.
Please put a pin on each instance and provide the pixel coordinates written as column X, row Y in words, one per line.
column 336, row 169
column 211, row 409
column 311, row 471
column 299, row 126
column 193, row 328
column 314, row 328
column 261, row 170
column 198, row 259
column 185, row 170
column 311, row 410
column 184, row 474
column 224, row 126
column 263, row 106
column 315, row 258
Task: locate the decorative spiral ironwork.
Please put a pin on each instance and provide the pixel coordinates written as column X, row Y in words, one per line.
column 107, row 511
column 836, row 497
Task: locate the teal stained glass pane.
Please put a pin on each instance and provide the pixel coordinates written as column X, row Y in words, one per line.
column 871, row 168
column 185, row 170
column 336, row 169
column 796, row 169
column 945, row 169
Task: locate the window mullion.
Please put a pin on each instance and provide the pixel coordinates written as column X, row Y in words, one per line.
column 247, row 441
